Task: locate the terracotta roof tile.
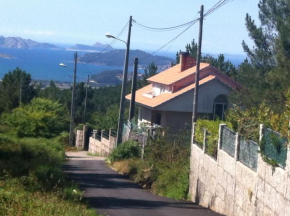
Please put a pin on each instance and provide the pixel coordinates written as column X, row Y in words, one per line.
column 162, row 98
column 174, row 74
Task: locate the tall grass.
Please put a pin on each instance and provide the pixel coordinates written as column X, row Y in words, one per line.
column 31, row 179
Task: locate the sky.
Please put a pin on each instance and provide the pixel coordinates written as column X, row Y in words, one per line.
column 87, row 21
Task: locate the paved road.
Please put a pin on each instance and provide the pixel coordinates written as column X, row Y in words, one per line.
column 114, row 195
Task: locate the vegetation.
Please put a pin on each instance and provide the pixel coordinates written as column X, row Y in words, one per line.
column 165, row 168
column 31, row 179
column 212, row 135
column 15, row 88
column 126, row 150
column 40, row 118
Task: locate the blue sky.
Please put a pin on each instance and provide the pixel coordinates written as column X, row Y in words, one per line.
column 87, row 21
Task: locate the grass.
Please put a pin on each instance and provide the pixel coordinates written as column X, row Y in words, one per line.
column 31, row 179
column 165, row 168
column 94, row 155
column 18, row 199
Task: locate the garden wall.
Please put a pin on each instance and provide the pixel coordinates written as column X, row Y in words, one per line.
column 232, row 184
column 102, row 144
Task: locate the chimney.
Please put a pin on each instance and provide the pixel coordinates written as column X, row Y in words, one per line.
column 186, row 61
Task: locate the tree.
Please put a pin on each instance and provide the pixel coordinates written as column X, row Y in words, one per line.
column 269, row 59
column 40, row 118
column 149, row 71
column 225, row 67
column 15, row 86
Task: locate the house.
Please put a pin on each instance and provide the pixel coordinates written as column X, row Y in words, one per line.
column 168, row 99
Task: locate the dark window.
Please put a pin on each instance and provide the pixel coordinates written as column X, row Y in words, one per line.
column 158, row 118
column 220, row 105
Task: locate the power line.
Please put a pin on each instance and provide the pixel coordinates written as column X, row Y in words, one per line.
column 164, row 28
column 218, row 5
column 107, row 47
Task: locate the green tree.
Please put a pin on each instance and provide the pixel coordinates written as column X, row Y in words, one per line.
column 40, row 118
column 149, row 71
column 269, row 63
column 221, row 64
column 15, row 83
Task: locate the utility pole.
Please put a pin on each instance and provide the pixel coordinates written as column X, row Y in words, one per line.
column 73, row 98
column 124, row 85
column 133, row 89
column 195, row 97
column 85, row 111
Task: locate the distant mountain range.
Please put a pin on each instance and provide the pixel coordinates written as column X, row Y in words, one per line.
column 96, row 47
column 20, row 43
column 117, row 57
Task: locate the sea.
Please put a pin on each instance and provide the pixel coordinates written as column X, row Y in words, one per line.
column 43, row 64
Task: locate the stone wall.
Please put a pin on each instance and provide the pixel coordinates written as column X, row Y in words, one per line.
column 102, row 145
column 227, row 186
column 80, row 139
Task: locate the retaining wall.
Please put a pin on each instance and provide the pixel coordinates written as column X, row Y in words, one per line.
column 229, row 187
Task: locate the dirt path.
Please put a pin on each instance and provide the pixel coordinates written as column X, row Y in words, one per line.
column 114, row 195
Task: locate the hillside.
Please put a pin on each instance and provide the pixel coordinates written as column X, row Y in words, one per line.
column 20, row 43
column 116, row 58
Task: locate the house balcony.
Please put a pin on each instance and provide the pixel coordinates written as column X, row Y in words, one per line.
column 150, row 94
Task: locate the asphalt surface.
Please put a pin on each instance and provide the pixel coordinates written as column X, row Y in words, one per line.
column 114, row 195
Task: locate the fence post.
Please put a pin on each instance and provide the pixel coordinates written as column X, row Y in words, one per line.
column 237, row 146
column 110, row 134
column 204, row 140
column 193, row 133
column 143, row 145
column 95, row 132
column 221, row 127
column 261, row 135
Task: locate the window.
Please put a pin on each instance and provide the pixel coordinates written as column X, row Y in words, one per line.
column 220, row 105
column 158, row 118
column 140, row 114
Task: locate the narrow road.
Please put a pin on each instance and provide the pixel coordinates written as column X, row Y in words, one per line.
column 114, row 195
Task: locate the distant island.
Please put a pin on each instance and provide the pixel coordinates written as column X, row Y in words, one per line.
column 95, row 47
column 116, row 58
column 20, row 43
column 6, row 56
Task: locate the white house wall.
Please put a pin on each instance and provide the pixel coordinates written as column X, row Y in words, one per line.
column 146, row 115
column 207, row 93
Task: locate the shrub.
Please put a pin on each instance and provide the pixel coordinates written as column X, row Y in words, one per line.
column 173, row 181
column 126, row 150
column 212, row 128
column 41, row 118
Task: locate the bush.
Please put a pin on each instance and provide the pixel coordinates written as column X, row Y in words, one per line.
column 41, row 118
column 212, row 128
column 173, row 181
column 126, row 150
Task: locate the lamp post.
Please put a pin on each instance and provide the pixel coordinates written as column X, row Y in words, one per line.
column 73, row 97
column 124, row 83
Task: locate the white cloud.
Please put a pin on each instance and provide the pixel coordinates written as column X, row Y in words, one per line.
column 47, row 33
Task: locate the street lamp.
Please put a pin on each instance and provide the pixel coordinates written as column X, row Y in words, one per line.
column 73, row 98
column 124, row 83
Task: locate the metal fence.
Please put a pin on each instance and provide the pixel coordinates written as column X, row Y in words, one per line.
column 228, row 141
column 274, row 147
column 248, row 153
column 105, row 135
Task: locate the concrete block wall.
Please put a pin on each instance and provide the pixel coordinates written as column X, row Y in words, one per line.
column 104, row 146
column 229, row 187
column 80, row 139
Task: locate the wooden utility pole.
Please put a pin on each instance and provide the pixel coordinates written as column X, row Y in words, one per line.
column 195, row 96
column 133, row 90
column 124, row 86
column 73, row 98
column 85, row 111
